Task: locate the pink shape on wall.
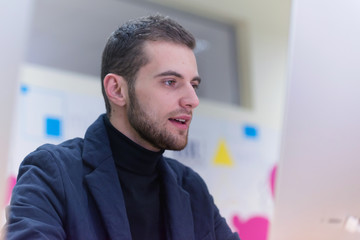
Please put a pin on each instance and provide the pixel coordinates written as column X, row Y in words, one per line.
column 273, row 180
column 11, row 181
column 255, row 228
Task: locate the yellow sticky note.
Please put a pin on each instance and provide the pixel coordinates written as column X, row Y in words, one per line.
column 222, row 156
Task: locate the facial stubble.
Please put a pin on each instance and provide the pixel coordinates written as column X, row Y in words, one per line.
column 151, row 130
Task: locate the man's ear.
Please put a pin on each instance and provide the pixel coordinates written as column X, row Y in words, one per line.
column 116, row 89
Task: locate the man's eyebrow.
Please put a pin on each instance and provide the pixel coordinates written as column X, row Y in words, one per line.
column 170, row 73
column 176, row 74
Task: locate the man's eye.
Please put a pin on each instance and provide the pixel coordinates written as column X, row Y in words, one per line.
column 170, row 82
column 195, row 86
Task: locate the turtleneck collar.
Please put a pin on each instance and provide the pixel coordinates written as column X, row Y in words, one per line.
column 130, row 156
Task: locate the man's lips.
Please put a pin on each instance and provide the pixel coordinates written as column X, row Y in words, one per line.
column 181, row 122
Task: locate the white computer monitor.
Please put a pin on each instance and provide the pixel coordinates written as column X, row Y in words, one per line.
column 318, row 190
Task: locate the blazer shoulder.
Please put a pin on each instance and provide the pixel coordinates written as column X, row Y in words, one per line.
column 72, row 147
column 65, row 154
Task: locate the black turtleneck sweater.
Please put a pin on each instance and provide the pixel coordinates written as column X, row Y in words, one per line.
column 139, row 178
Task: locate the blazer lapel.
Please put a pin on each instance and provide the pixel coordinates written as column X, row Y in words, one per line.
column 103, row 182
column 104, row 186
column 179, row 217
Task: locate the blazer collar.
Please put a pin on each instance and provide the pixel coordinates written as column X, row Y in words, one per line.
column 96, row 147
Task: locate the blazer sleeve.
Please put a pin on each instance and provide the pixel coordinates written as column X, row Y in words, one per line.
column 36, row 207
column 221, row 228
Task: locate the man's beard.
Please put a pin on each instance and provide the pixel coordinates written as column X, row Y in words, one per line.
column 150, row 129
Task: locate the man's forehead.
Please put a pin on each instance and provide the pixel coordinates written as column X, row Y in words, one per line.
column 169, row 56
column 148, row 45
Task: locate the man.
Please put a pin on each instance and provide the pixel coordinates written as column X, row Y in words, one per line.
column 115, row 183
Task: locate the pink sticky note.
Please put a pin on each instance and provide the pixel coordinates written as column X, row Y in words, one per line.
column 254, row 228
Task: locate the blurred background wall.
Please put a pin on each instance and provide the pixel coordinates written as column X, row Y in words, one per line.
column 14, row 18
column 241, row 150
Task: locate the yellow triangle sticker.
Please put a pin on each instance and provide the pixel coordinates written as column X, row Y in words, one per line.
column 222, row 156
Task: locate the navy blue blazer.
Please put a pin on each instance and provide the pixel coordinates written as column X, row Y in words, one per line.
column 72, row 191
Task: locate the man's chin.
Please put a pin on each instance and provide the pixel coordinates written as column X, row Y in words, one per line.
column 171, row 142
column 177, row 146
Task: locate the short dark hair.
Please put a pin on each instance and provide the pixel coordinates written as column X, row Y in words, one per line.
column 123, row 53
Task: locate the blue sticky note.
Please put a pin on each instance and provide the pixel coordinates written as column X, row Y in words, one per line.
column 24, row 89
column 53, row 127
column 250, row 131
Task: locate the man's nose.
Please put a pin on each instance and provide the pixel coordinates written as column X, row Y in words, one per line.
column 189, row 98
